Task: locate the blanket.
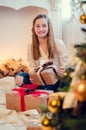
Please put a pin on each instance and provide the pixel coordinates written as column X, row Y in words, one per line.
column 10, row 119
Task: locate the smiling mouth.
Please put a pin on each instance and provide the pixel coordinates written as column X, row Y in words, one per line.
column 41, row 32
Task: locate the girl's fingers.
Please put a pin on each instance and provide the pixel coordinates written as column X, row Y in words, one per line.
column 60, row 71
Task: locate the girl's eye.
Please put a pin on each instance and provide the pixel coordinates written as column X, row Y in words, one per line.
column 37, row 26
column 43, row 25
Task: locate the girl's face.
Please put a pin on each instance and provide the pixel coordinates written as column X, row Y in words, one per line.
column 41, row 27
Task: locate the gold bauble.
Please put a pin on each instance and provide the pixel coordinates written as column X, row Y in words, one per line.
column 83, row 18
column 80, row 90
column 53, row 105
column 45, row 122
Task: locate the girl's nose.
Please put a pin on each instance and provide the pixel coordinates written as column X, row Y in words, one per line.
column 41, row 28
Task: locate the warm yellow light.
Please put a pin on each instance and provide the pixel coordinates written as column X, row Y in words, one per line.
column 65, row 74
column 81, row 88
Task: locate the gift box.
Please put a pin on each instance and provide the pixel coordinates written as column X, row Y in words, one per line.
column 18, row 102
column 13, row 101
column 46, row 75
column 33, row 101
column 37, row 98
column 35, row 76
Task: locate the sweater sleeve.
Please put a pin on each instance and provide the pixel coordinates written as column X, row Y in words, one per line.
column 63, row 53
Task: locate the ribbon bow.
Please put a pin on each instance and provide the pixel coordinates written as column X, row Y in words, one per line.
column 47, row 64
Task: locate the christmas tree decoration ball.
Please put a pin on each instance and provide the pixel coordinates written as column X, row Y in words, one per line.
column 83, row 18
column 80, row 90
column 54, row 105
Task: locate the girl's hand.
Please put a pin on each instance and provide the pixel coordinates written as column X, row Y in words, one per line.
column 60, row 71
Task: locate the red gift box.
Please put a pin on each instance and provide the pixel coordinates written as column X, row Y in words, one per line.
column 15, row 99
column 19, row 101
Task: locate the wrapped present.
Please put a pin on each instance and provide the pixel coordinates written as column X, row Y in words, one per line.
column 34, row 75
column 15, row 99
column 36, row 98
column 19, row 101
column 45, row 75
column 48, row 74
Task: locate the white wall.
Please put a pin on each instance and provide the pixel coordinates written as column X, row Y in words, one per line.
column 72, row 34
column 15, row 31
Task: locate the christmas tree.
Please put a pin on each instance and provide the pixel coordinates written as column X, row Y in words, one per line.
column 54, row 116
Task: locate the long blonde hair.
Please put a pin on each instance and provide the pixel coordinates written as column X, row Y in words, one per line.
column 50, row 39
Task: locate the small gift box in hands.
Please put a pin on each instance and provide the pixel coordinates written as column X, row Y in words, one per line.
column 45, row 75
